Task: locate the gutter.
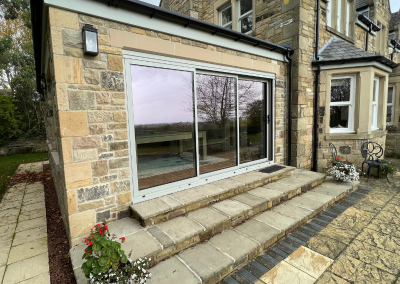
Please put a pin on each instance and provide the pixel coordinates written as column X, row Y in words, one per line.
column 316, row 90
column 371, row 27
column 378, row 58
column 290, row 102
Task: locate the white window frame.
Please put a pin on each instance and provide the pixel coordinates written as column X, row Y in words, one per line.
column 138, row 58
column 348, row 8
column 350, row 104
column 392, row 103
column 363, row 11
column 338, row 15
column 329, row 13
column 220, row 15
column 375, row 103
column 240, row 17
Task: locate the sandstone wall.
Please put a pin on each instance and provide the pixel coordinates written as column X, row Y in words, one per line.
column 87, row 126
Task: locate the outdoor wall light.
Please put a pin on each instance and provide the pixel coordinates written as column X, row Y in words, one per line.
column 90, row 42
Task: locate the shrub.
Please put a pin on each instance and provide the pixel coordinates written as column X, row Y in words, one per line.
column 382, row 170
column 343, row 171
column 106, row 262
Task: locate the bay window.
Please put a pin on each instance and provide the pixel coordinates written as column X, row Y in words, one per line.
column 390, row 105
column 342, row 104
column 191, row 122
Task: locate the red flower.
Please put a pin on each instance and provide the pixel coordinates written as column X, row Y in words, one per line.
column 337, row 158
column 85, row 251
column 89, row 252
column 347, row 160
column 106, row 227
column 101, row 231
column 92, row 236
column 90, row 243
column 123, row 239
column 98, row 225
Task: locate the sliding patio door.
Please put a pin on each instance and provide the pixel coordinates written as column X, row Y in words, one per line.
column 190, row 126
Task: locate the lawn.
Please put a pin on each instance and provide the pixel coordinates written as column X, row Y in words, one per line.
column 9, row 164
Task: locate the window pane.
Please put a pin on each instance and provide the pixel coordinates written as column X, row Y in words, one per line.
column 339, row 117
column 252, row 129
column 245, row 6
column 246, row 24
column 164, row 125
column 340, row 90
column 389, row 114
column 216, row 111
column 226, row 16
column 390, row 95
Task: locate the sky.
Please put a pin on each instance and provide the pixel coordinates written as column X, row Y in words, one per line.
column 394, row 4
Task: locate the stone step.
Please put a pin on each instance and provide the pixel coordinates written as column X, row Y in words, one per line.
column 212, row 261
column 169, row 238
column 161, row 209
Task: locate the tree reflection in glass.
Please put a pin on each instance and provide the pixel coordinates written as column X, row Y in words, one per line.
column 216, row 111
column 252, row 128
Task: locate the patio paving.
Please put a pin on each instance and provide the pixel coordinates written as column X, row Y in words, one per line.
column 355, row 241
column 23, row 240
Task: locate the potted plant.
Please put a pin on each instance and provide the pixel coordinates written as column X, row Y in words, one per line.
column 343, row 171
column 106, row 262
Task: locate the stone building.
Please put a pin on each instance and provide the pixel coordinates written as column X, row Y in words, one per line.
column 103, row 158
column 293, row 23
column 393, row 117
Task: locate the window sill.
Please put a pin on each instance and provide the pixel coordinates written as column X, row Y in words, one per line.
column 355, row 136
column 339, row 34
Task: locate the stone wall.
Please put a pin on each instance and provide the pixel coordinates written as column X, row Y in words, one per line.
column 87, row 124
column 40, row 145
column 294, row 22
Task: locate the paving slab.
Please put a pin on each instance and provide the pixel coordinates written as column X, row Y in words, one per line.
column 330, row 278
column 7, row 229
column 30, row 235
column 234, row 244
column 29, row 215
column 27, row 250
column 343, row 235
column 208, row 217
column 173, row 203
column 265, row 235
column 276, row 220
column 31, row 207
column 284, row 273
column 266, row 193
column 380, row 258
column 189, row 196
column 292, row 211
column 354, row 219
column 356, row 271
column 206, row 261
column 305, row 203
column 124, row 227
column 5, row 248
column 317, row 196
column 76, row 254
column 229, row 184
column 40, row 279
column 326, row 246
column 161, row 236
column 26, row 269
column 30, row 224
column 172, row 271
column 308, row 261
column 231, row 208
column 141, row 244
column 181, row 228
column 250, row 200
column 380, row 240
column 8, row 204
column 2, row 270
column 384, row 228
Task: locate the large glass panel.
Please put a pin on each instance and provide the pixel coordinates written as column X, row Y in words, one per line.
column 216, row 111
column 245, row 6
column 246, row 24
column 164, row 125
column 226, row 16
column 252, row 128
column 339, row 117
column 340, row 90
column 390, row 95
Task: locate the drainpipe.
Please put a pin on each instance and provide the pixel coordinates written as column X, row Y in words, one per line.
column 366, row 42
column 315, row 122
column 290, row 99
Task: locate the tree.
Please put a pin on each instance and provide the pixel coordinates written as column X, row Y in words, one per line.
column 9, row 123
column 17, row 66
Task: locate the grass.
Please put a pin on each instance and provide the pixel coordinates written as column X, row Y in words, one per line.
column 9, row 164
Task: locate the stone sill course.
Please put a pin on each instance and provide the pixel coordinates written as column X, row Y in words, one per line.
column 222, row 225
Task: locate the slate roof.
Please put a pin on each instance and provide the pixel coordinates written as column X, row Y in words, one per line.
column 394, row 19
column 361, row 4
column 337, row 51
